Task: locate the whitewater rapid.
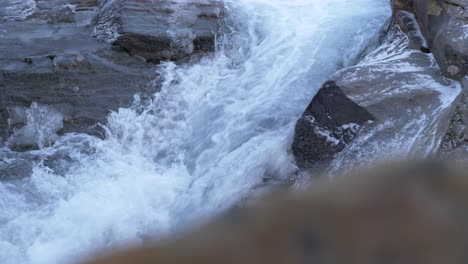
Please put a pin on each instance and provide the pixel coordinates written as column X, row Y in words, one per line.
column 217, row 130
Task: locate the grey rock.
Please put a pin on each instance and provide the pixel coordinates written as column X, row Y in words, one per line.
column 329, row 123
column 15, row 166
column 84, row 86
column 455, row 143
column 160, row 30
column 408, row 95
column 49, row 54
column 53, row 60
column 15, row 169
column 401, row 85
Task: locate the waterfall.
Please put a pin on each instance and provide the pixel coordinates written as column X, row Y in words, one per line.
column 218, row 128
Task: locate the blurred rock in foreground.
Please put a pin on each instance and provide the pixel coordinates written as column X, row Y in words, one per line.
column 394, row 214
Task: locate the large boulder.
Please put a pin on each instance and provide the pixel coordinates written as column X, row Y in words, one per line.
column 400, row 85
column 404, row 89
column 444, row 24
column 160, row 30
column 329, row 123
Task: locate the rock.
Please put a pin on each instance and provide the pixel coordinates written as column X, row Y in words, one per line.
column 4, row 125
column 84, row 87
column 444, row 24
column 406, row 5
column 14, row 167
column 455, row 143
column 396, row 214
column 57, row 11
column 48, row 53
column 16, row 164
column 41, row 125
column 408, row 95
column 407, row 23
column 160, row 30
column 400, row 85
column 329, row 123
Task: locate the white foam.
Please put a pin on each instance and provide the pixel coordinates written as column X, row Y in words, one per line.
column 17, row 9
column 42, row 124
column 206, row 140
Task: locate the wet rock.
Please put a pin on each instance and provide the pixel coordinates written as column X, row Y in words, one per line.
column 84, row 87
column 413, row 214
column 400, row 85
column 56, row 62
column 3, row 125
column 444, row 24
column 408, row 95
column 41, row 125
column 329, row 123
column 408, row 25
column 52, row 53
column 160, row 30
column 455, row 143
column 53, row 12
column 14, row 166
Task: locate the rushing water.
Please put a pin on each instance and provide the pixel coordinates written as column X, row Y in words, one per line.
column 216, row 130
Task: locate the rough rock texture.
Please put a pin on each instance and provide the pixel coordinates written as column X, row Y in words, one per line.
column 160, row 30
column 398, row 215
column 444, row 24
column 404, row 89
column 455, row 144
column 329, row 123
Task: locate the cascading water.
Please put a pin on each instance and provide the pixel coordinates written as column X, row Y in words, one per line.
column 216, row 130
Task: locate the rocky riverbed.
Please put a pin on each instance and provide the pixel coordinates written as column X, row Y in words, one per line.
column 84, row 58
column 124, row 120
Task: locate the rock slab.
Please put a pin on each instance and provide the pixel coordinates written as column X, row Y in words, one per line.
column 401, row 86
column 52, row 53
column 329, row 123
column 159, row 29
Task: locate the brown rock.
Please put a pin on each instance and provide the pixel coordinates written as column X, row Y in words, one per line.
column 406, row 5
column 409, row 214
column 444, row 24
